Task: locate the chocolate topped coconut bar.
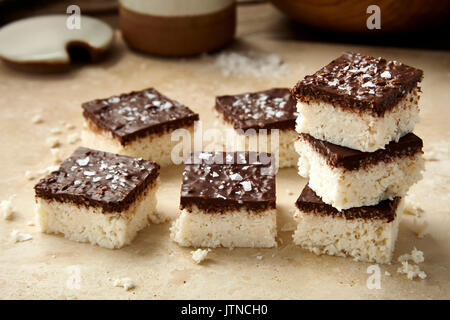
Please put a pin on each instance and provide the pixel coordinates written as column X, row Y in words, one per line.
column 359, row 102
column 346, row 178
column 367, row 233
column 227, row 199
column 259, row 113
column 218, row 182
column 138, row 124
column 98, row 197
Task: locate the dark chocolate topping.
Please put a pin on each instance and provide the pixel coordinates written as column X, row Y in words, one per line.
column 138, row 114
column 270, row 109
column 244, row 180
column 359, row 83
column 350, row 159
column 101, row 179
column 309, row 201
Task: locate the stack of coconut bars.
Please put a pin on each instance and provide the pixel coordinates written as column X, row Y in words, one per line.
column 356, row 147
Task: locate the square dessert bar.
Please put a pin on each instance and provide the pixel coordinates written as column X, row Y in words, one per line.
column 346, row 178
column 251, row 114
column 137, row 124
column 359, row 102
column 227, row 199
column 98, row 197
column 366, row 233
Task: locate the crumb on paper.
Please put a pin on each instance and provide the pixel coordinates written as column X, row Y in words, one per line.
column 37, row 118
column 73, row 138
column 199, row 255
column 55, row 130
column 6, row 208
column 413, row 210
column 29, row 175
column 387, row 273
column 52, row 142
column 70, row 126
column 259, row 257
column 420, row 227
column 415, row 256
column 289, row 226
column 289, row 192
column 126, row 283
column 20, row 237
column 254, row 63
column 411, row 271
column 30, row 223
column 56, row 153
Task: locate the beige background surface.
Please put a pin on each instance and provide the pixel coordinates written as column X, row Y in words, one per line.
column 161, row 269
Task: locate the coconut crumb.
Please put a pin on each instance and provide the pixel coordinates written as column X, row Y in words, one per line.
column 37, row 118
column 52, row 142
column 415, row 256
column 56, row 153
column 20, row 237
column 420, row 227
column 199, row 255
column 259, row 257
column 55, row 130
column 257, row 64
column 29, row 175
column 73, row 138
column 387, row 273
column 126, row 283
column 413, row 210
column 6, row 208
column 412, row 271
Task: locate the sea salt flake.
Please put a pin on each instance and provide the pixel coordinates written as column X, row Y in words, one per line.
column 247, row 185
column 236, row 177
column 83, row 162
column 89, row 173
column 386, row 75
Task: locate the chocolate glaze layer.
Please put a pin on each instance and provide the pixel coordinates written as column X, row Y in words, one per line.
column 270, row 109
column 217, row 182
column 138, row 114
column 310, row 202
column 100, row 179
column 350, row 159
column 359, row 83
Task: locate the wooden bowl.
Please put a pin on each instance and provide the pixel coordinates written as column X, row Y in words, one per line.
column 349, row 16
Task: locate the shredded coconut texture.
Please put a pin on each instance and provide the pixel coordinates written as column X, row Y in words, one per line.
column 253, row 63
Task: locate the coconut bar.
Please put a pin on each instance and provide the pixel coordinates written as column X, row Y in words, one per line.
column 98, row 197
column 366, row 233
column 359, row 102
column 253, row 114
column 228, row 200
column 346, row 178
column 137, row 124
